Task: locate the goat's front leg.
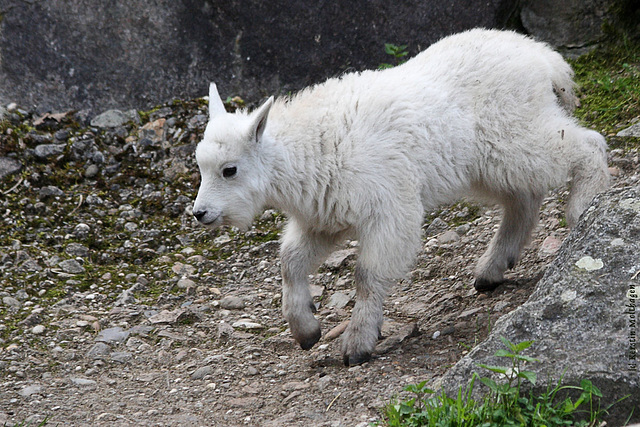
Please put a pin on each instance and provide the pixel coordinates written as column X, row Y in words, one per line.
column 300, row 253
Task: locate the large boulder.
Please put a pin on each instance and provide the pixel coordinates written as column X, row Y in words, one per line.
column 574, row 26
column 61, row 54
column 583, row 313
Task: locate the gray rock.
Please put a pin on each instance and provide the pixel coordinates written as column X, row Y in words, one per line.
column 231, row 302
column 110, row 119
column 338, row 300
column 77, row 249
column 71, row 266
column 50, row 191
column 633, row 130
column 121, row 356
column 99, row 351
column 185, row 283
column 437, row 226
column 582, row 315
column 202, row 372
column 9, row 166
column 182, row 46
column 569, row 23
column 338, row 259
column 84, row 383
column 114, row 335
column 11, row 302
column 447, row 237
column 30, row 390
column 43, row 151
column 91, row 171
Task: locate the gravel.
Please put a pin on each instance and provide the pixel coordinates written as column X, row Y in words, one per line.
column 118, row 309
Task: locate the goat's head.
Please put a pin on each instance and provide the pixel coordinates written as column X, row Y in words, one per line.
column 231, row 166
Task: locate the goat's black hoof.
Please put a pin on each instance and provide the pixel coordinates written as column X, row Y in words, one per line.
column 483, row 285
column 356, row 359
column 310, row 341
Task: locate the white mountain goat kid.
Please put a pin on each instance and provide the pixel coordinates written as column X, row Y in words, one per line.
column 483, row 113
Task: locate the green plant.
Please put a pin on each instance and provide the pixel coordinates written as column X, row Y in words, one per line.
column 504, row 404
column 398, row 52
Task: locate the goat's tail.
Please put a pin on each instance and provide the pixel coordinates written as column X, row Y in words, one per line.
column 590, row 173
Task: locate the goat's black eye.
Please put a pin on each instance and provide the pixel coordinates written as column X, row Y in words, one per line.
column 229, row 172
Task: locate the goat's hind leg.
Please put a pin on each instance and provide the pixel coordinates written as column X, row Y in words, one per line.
column 301, row 253
column 521, row 213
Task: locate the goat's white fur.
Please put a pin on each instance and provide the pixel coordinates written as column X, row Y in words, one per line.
column 480, row 114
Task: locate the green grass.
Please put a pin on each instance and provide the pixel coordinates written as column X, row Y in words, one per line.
column 608, row 80
column 503, row 403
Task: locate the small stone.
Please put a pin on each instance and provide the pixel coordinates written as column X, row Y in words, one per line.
column 47, row 150
column 394, row 340
column 339, row 258
column 338, row 300
column 50, row 191
column 9, row 166
column 121, row 356
column 91, row 171
column 71, row 266
column 76, row 249
column 84, row 383
column 98, row 351
column 112, row 335
column 469, row 312
column 31, row 389
column 336, row 331
column 185, row 283
column 448, row 237
column 633, row 131
column 11, row 302
column 316, row 291
column 221, row 240
column 231, row 302
column 110, row 119
column 202, row 372
column 295, row 385
column 550, row 246
column 38, row 330
column 437, row 226
column 252, row 371
column 244, row 324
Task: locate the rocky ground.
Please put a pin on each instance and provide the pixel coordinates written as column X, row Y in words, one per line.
column 118, row 309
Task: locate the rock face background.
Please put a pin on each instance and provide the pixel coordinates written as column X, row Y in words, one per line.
column 81, row 54
column 583, row 313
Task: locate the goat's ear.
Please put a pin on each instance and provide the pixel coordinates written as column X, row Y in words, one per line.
column 216, row 106
column 260, row 119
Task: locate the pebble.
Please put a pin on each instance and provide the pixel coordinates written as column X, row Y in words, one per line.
column 30, row 390
column 84, row 383
column 48, row 150
column 338, row 300
column 337, row 259
column 231, row 302
column 185, row 283
column 113, row 335
column 244, row 324
column 77, row 249
column 38, row 330
column 11, row 302
column 447, row 237
column 202, row 372
column 98, row 351
column 110, row 119
column 71, row 266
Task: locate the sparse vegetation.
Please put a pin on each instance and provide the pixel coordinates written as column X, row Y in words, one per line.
column 505, row 403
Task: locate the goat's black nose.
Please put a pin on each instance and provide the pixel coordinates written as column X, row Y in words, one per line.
column 199, row 214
